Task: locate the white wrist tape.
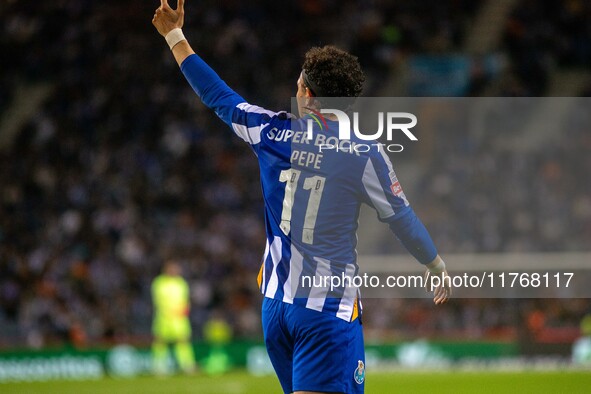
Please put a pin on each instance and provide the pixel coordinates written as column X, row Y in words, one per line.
column 438, row 268
column 174, row 36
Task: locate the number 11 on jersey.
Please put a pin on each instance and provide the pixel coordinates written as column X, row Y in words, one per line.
column 316, row 186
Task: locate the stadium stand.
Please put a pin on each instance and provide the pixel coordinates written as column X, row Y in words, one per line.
column 111, row 174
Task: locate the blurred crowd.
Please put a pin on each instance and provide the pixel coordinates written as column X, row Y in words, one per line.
column 122, row 167
column 543, row 35
column 489, row 196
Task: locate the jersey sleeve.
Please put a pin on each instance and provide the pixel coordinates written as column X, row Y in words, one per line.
column 246, row 120
column 381, row 189
column 383, row 192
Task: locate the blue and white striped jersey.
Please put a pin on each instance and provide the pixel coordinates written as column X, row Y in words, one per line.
column 312, row 199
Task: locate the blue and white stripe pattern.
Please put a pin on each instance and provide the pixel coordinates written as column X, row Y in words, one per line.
column 343, row 181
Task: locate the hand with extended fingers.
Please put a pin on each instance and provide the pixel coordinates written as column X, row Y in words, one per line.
column 166, row 19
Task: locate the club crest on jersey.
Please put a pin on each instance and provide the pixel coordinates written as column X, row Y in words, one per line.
column 396, row 187
column 359, row 374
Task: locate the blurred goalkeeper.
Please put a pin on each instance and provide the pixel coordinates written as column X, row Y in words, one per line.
column 170, row 294
column 312, row 198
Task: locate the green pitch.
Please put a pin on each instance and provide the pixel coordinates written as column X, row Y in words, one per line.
column 377, row 383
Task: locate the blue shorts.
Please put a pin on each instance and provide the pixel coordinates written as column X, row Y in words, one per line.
column 313, row 351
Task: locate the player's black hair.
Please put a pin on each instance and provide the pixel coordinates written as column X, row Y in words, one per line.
column 332, row 72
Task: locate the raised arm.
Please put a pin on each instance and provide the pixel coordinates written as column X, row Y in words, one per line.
column 166, row 20
column 246, row 120
column 212, row 90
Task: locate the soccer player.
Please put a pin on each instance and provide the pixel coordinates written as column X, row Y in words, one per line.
column 313, row 336
column 170, row 295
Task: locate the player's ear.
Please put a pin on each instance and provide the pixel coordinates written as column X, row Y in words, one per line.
column 309, row 92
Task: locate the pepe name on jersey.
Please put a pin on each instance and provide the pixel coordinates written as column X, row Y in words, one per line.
column 304, row 157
